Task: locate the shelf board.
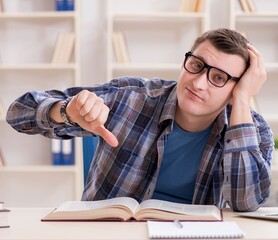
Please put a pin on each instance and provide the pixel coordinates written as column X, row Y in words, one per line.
column 271, row 117
column 38, row 66
column 166, row 16
column 145, row 67
column 38, row 168
column 271, row 66
column 38, row 15
column 262, row 16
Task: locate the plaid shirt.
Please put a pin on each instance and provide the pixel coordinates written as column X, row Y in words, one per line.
column 235, row 166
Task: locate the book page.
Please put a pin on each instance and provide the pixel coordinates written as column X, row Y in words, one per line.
column 130, row 203
column 189, row 209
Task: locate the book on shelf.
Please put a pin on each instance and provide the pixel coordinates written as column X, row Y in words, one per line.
column 120, row 48
column 247, row 5
column 2, row 161
column 1, row 6
column 254, row 104
column 168, row 230
column 62, row 151
column 63, row 48
column 190, row 5
column 2, row 109
column 64, row 5
column 126, row 209
column 4, row 214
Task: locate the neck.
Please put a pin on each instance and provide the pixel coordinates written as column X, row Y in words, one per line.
column 192, row 123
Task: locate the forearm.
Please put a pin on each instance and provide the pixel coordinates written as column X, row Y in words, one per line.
column 246, row 167
column 240, row 112
column 30, row 114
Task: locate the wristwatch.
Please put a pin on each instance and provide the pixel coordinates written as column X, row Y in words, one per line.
column 64, row 115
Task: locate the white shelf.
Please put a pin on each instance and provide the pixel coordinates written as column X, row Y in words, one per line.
column 145, row 66
column 38, row 15
column 155, row 38
column 26, row 66
column 37, row 169
column 39, row 66
column 157, row 16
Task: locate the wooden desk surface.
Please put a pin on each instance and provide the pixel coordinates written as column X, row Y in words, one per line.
column 25, row 223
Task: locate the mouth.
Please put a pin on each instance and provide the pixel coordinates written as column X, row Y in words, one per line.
column 194, row 95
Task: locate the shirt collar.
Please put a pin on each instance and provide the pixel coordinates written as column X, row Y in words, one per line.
column 169, row 109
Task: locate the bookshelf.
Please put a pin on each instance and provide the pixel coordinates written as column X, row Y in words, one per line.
column 260, row 27
column 28, row 178
column 156, row 36
column 265, row 18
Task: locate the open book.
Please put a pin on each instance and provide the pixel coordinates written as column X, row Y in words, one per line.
column 125, row 208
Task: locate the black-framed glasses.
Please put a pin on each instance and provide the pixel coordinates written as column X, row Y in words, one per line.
column 215, row 76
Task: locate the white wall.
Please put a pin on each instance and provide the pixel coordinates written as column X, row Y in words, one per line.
column 93, row 36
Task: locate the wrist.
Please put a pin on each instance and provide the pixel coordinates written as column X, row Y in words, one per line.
column 66, row 119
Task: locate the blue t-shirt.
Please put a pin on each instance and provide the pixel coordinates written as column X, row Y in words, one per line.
column 181, row 160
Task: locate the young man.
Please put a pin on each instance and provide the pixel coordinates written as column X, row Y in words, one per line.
column 192, row 141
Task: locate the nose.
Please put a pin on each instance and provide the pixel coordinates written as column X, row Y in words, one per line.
column 200, row 81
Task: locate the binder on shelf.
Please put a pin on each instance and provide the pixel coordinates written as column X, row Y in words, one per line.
column 64, row 48
column 120, row 48
column 68, row 152
column 64, row 5
column 70, row 5
column 56, row 151
column 60, row 6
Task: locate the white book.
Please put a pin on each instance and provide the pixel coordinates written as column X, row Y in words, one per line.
column 58, row 48
column 64, row 48
column 120, row 48
column 168, row 230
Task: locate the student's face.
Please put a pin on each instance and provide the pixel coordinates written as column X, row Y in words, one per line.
column 196, row 95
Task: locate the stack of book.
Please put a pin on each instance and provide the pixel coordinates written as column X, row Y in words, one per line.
column 4, row 214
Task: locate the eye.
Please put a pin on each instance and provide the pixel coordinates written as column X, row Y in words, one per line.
column 197, row 65
column 218, row 77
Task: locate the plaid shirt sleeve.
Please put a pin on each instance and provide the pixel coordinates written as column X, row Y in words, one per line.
column 29, row 114
column 246, row 166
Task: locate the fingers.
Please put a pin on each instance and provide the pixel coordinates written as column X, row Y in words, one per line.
column 91, row 108
column 107, row 136
column 90, row 112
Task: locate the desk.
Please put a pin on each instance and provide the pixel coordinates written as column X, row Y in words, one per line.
column 25, row 224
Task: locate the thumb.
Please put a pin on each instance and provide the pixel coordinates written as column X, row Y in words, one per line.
column 108, row 136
